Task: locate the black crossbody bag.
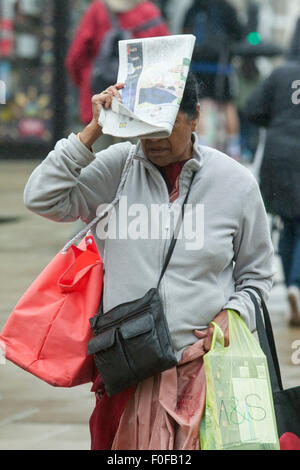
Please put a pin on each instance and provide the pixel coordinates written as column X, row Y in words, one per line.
column 132, row 341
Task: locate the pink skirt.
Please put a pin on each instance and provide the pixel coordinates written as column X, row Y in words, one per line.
column 165, row 411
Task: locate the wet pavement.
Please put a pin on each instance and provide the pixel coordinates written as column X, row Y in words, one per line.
column 34, row 415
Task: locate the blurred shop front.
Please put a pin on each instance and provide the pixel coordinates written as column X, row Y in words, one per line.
column 40, row 103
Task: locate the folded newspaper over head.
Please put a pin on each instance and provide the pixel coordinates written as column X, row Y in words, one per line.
column 154, row 71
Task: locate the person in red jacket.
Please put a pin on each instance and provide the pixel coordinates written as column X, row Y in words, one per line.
column 91, row 31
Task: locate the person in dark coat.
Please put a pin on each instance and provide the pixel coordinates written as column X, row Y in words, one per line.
column 276, row 105
column 131, row 14
column 216, row 26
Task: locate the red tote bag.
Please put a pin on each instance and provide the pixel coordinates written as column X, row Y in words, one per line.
column 48, row 331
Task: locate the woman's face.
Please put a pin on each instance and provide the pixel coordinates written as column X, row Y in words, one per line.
column 177, row 147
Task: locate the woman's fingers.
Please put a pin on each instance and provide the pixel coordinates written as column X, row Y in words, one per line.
column 200, row 333
column 119, row 86
column 115, row 90
column 104, row 99
column 209, row 337
column 203, row 334
column 206, row 335
column 222, row 321
column 107, row 100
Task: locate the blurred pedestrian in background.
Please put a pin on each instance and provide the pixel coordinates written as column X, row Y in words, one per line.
column 216, row 27
column 139, row 18
column 248, row 77
column 276, row 105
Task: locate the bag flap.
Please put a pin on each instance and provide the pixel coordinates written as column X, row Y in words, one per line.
column 103, row 341
column 137, row 327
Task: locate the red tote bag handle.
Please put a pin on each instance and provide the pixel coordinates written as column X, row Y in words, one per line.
column 84, row 261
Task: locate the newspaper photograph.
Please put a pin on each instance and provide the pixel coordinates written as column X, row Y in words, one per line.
column 154, row 71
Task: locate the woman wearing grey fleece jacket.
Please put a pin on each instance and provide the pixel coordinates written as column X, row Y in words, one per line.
column 226, row 242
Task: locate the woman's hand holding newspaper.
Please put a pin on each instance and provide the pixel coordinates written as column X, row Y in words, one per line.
column 93, row 130
column 104, row 100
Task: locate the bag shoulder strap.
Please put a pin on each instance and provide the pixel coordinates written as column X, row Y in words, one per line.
column 266, row 338
column 147, row 25
column 115, row 201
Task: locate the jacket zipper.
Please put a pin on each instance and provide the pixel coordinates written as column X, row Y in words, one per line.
column 165, row 247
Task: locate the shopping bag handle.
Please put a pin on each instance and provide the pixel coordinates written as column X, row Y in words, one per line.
column 83, row 262
column 217, row 331
column 69, row 281
column 266, row 338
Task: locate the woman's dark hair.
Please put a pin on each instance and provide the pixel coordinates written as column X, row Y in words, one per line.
column 191, row 97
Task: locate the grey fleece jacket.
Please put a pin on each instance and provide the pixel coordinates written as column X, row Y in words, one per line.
column 235, row 246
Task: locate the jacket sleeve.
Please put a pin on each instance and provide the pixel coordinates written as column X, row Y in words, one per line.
column 72, row 182
column 254, row 256
column 259, row 108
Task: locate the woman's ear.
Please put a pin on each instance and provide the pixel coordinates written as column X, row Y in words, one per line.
column 196, row 118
